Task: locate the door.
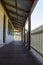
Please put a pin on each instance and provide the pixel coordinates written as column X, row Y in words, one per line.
column 4, row 29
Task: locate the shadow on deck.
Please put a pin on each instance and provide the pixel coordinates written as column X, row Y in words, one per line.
column 15, row 53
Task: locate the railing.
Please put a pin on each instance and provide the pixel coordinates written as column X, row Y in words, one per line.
column 37, row 42
column 37, row 51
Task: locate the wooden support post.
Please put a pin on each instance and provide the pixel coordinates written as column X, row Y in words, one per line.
column 24, row 34
column 29, row 31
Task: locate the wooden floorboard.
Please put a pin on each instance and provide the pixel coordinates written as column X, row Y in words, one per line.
column 16, row 53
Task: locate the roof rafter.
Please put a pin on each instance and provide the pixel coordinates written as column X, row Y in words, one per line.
column 20, row 19
column 20, row 27
column 15, row 13
column 15, row 22
column 13, row 18
column 15, row 7
column 28, row 0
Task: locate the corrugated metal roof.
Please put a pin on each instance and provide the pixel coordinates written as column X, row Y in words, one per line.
column 19, row 10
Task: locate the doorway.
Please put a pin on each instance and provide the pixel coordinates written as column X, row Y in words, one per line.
column 4, row 29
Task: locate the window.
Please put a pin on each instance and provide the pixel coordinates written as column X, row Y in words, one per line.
column 10, row 29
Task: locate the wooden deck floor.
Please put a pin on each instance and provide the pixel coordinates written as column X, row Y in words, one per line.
column 15, row 53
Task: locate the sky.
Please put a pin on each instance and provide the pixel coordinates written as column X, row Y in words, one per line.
column 37, row 16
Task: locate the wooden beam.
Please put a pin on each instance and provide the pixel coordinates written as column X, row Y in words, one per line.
column 34, row 5
column 17, row 23
column 15, row 13
column 28, row 0
column 29, row 32
column 12, row 17
column 15, row 19
column 8, row 10
column 18, row 27
column 15, row 7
